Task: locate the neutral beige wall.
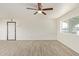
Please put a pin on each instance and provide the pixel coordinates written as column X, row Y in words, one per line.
column 71, row 40
column 34, row 27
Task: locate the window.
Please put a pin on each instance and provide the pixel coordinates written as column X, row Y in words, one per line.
column 77, row 29
column 63, row 26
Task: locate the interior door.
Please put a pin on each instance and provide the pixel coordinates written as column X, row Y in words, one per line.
column 11, row 30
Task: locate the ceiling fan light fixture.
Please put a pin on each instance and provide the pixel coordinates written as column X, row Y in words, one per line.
column 39, row 11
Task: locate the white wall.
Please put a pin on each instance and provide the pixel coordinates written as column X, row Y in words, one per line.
column 70, row 40
column 33, row 27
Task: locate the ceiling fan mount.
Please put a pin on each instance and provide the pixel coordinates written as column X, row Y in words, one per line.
column 39, row 9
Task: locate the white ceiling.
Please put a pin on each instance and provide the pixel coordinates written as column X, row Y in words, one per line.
column 18, row 10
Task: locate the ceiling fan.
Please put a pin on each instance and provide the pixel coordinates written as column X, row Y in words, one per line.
column 40, row 9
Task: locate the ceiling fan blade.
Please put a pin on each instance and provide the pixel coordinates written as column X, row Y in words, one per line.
column 47, row 9
column 44, row 13
column 35, row 13
column 31, row 8
column 39, row 6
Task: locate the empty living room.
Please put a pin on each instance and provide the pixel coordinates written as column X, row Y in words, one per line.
column 39, row 29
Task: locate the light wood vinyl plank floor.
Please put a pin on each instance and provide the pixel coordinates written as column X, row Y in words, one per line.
column 35, row 48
